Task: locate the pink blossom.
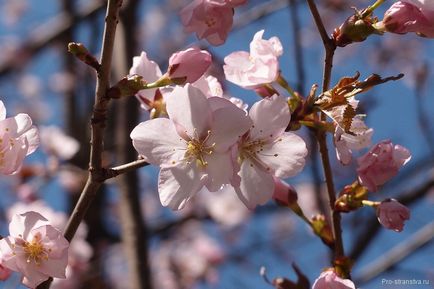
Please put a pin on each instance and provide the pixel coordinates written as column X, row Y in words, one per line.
column 410, row 16
column 284, row 193
column 392, row 214
column 150, row 71
column 260, row 66
column 190, row 64
column 381, row 163
column 267, row 151
column 55, row 142
column 329, row 279
column 208, row 19
column 209, row 85
column 35, row 249
column 195, row 149
column 18, row 138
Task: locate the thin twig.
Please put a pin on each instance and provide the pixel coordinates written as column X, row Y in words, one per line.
column 330, row 48
column 125, row 168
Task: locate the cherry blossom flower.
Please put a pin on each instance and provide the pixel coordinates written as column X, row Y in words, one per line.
column 18, row 138
column 195, row 149
column 267, row 151
column 190, row 64
column 208, row 19
column 392, row 215
column 150, row 71
column 329, row 279
column 410, row 16
column 260, row 66
column 381, row 163
column 55, row 142
column 35, row 248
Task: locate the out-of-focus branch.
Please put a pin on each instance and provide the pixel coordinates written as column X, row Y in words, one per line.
column 47, row 33
column 396, row 254
column 373, row 227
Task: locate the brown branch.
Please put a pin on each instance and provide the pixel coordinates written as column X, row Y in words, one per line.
column 98, row 123
column 330, row 48
column 125, row 168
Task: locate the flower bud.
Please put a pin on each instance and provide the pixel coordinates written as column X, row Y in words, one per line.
column 410, row 16
column 190, row 64
column 354, row 29
column 329, row 279
column 322, row 229
column 392, row 214
column 381, row 163
column 284, row 194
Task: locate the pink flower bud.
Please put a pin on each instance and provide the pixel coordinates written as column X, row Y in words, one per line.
column 381, row 163
column 392, row 215
column 329, row 279
column 284, row 193
column 410, row 16
column 191, row 63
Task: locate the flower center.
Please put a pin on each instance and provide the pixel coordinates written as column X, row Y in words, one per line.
column 34, row 250
column 252, row 149
column 210, row 22
column 198, row 149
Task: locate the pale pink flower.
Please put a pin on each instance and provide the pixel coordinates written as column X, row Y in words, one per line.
column 392, row 214
column 195, row 149
column 267, row 151
column 329, row 279
column 208, row 19
column 345, row 143
column 150, row 71
column 55, row 142
column 381, row 163
column 18, row 138
column 260, row 66
column 34, row 248
column 209, row 85
column 190, row 64
column 410, row 16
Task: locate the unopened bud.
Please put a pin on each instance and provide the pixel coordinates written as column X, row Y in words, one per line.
column 81, row 52
column 188, row 65
column 323, row 230
column 127, row 86
column 354, row 29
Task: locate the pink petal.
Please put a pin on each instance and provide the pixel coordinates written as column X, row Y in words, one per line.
column 2, row 110
column 270, row 117
column 149, row 70
column 178, row 184
column 32, row 137
column 7, row 257
column 55, row 267
column 148, row 141
column 219, row 169
column 256, row 187
column 285, row 156
column 22, row 224
column 230, row 123
column 188, row 107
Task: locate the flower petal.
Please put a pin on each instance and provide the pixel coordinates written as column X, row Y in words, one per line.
column 178, row 184
column 157, row 149
column 230, row 123
column 22, row 224
column 32, row 136
column 188, row 107
column 2, row 110
column 285, row 156
column 219, row 169
column 256, row 187
column 270, row 117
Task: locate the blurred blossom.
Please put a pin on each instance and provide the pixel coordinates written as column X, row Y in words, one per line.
column 225, row 207
column 72, row 178
column 62, row 82
column 26, row 193
column 330, row 280
column 13, row 10
column 55, row 142
column 30, row 86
